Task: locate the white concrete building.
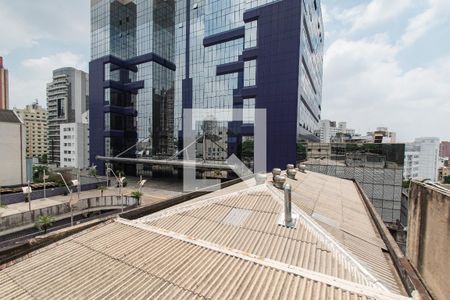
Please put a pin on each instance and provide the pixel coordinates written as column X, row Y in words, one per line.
column 327, row 130
column 422, row 159
column 12, row 149
column 74, row 144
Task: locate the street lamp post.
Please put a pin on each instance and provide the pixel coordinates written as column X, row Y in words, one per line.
column 70, row 199
column 107, row 174
column 45, row 177
column 141, row 184
column 120, row 181
column 27, row 191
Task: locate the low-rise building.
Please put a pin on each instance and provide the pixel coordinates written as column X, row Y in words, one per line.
column 444, row 174
column 12, row 149
column 35, row 118
column 383, row 136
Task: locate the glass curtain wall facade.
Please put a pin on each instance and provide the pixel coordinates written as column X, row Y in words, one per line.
column 151, row 59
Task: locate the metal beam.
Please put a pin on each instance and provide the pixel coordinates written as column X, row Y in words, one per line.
column 165, row 162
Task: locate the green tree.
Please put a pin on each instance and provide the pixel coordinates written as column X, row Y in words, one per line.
column 93, row 172
column 44, row 222
column 406, row 183
column 137, row 195
column 38, row 173
column 43, row 159
column 301, row 152
column 247, row 150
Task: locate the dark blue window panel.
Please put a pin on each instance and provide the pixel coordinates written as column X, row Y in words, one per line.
column 229, row 68
column 223, row 37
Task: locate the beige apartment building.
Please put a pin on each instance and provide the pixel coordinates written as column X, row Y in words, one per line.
column 35, row 118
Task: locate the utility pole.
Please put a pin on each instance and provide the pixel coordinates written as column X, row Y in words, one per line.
column 79, row 185
column 29, row 196
column 45, row 192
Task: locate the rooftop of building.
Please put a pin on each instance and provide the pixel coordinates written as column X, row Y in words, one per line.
column 9, row 116
column 225, row 245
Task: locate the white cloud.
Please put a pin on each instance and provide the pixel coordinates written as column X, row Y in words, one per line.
column 35, row 73
column 28, row 23
column 437, row 14
column 365, row 85
column 58, row 60
column 376, row 12
column 20, row 35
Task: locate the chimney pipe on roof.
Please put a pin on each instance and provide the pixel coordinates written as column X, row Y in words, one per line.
column 288, row 220
column 291, row 173
column 275, row 172
column 279, row 181
column 260, row 178
column 302, row 168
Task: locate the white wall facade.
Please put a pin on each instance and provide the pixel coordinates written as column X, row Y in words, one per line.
column 74, row 145
column 422, row 159
column 12, row 154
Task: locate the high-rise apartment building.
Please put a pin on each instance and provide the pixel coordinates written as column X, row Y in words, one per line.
column 422, row 159
column 444, row 149
column 4, row 88
column 153, row 59
column 35, row 118
column 67, row 100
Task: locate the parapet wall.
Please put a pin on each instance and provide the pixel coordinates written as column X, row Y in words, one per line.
column 84, row 205
column 428, row 245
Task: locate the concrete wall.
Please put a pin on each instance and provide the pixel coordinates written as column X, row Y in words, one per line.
column 12, row 154
column 50, row 192
column 428, row 245
column 84, row 205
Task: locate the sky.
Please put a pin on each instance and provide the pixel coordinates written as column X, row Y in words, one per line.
column 386, row 63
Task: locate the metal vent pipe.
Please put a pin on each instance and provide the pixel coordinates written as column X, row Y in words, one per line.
column 302, row 168
column 279, row 181
column 275, row 172
column 291, row 173
column 287, row 206
column 260, row 178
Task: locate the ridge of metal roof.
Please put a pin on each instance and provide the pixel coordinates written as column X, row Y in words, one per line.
column 340, row 251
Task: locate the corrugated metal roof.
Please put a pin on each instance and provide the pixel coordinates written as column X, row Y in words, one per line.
column 8, row 116
column 226, row 245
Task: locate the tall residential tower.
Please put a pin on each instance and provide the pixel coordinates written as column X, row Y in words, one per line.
column 67, row 100
column 153, row 59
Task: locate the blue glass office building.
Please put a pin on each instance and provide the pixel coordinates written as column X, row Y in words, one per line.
column 153, row 58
